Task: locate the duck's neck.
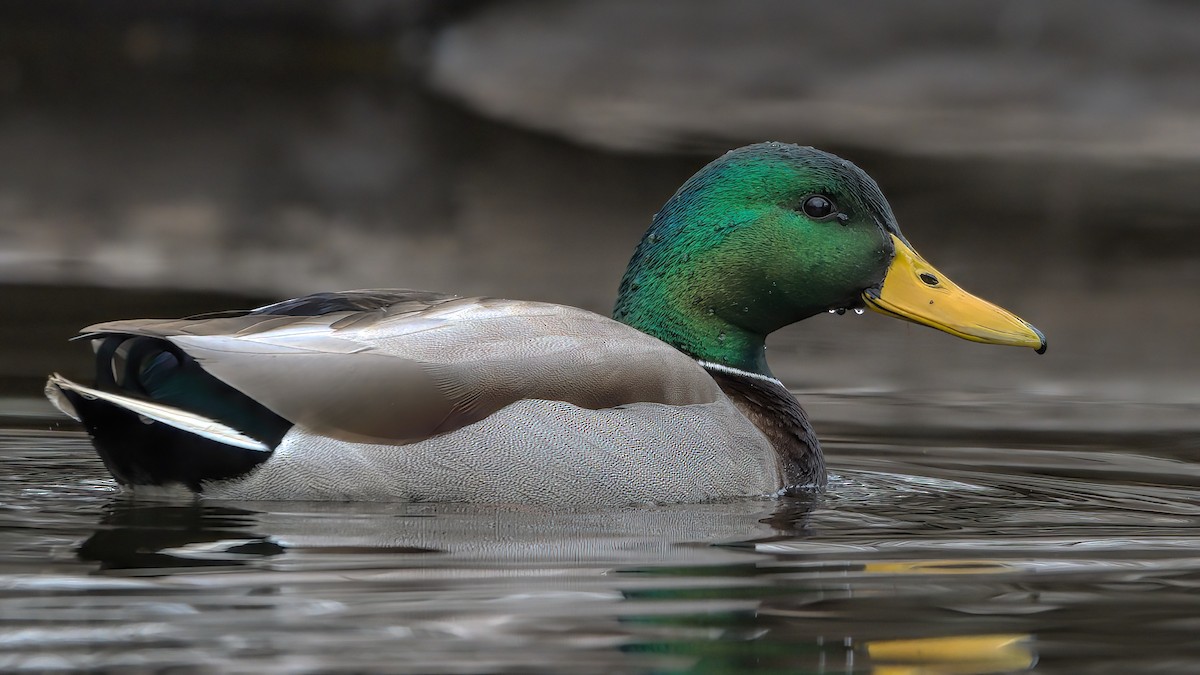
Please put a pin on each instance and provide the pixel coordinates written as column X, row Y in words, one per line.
column 694, row 330
column 677, row 290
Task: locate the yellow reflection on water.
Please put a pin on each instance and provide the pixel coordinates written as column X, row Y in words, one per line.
column 940, row 567
column 963, row 655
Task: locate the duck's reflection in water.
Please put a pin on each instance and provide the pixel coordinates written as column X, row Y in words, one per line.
column 673, row 588
column 152, row 537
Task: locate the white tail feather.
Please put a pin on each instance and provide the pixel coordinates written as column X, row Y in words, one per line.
column 180, row 419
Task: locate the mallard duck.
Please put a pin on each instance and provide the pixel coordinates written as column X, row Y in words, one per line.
column 409, row 395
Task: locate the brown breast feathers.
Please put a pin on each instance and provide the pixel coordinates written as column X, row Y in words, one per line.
column 773, row 409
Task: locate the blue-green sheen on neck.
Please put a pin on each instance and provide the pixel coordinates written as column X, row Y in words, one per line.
column 728, row 260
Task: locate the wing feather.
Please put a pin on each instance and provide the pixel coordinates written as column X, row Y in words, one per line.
column 426, row 364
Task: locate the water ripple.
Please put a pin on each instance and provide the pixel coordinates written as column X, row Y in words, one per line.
column 921, row 557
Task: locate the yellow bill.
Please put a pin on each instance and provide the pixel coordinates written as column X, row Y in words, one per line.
column 915, row 291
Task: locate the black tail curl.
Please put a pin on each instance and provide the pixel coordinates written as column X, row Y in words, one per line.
column 142, row 451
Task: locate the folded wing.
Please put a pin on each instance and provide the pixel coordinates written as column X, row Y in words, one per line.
column 402, row 366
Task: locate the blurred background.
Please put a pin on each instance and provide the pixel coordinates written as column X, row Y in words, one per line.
column 164, row 158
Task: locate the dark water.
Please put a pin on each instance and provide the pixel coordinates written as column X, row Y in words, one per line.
column 1024, row 552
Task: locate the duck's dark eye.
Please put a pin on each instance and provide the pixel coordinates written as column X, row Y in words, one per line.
column 817, row 207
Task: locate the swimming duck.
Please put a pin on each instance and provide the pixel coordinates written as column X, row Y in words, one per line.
column 409, row 395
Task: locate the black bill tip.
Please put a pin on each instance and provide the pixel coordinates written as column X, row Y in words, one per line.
column 1041, row 348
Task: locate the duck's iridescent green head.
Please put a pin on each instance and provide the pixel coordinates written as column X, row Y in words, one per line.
column 773, row 233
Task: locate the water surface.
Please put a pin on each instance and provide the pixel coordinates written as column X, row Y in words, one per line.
column 926, row 555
